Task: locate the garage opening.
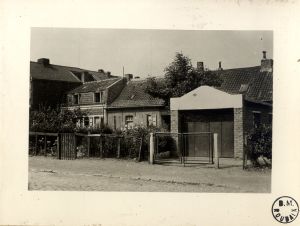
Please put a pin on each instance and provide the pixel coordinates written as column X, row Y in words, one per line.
column 215, row 121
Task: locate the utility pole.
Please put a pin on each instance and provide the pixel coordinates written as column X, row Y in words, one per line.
column 123, row 71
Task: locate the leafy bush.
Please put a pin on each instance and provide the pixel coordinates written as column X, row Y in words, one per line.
column 260, row 144
column 53, row 120
column 133, row 137
column 166, row 144
column 103, row 129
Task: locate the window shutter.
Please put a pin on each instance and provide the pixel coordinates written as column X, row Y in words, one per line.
column 154, row 120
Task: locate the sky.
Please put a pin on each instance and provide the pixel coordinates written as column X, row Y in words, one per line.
column 147, row 52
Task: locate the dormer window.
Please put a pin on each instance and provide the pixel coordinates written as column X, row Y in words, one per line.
column 244, row 88
column 76, row 98
column 70, row 99
column 98, row 97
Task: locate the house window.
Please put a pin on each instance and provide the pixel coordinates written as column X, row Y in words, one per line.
column 97, row 121
column 115, row 122
column 78, row 122
column 86, row 121
column 256, row 119
column 129, row 121
column 244, row 88
column 70, row 99
column 76, row 98
column 102, row 121
column 98, row 97
column 91, row 122
column 151, row 120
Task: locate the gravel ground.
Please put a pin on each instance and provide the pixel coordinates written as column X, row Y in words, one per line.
column 126, row 175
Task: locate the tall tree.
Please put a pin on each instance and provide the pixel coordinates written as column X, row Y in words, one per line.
column 180, row 78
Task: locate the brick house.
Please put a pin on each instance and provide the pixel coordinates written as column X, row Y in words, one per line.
column 241, row 103
column 134, row 106
column 49, row 82
column 93, row 98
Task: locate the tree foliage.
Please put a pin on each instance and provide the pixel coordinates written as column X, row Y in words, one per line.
column 180, row 78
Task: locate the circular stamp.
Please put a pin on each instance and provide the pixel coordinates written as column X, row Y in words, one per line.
column 285, row 209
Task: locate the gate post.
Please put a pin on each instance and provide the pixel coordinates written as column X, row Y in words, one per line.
column 151, row 151
column 216, row 154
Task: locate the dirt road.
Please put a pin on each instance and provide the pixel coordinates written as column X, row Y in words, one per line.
column 126, row 175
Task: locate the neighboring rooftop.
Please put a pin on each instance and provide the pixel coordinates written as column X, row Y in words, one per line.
column 134, row 95
column 51, row 72
column 42, row 69
column 255, row 84
column 94, row 86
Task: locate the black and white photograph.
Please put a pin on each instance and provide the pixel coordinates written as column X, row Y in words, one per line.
column 150, row 110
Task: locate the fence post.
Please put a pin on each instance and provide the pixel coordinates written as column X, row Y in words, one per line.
column 245, row 157
column 216, row 153
column 88, row 144
column 45, row 145
column 57, row 147
column 101, row 146
column 151, row 151
column 119, row 147
column 36, row 144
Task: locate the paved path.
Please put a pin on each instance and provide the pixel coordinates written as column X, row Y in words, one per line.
column 127, row 175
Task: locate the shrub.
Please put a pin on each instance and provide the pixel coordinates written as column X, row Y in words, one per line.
column 133, row 136
column 53, row 120
column 103, row 129
column 260, row 144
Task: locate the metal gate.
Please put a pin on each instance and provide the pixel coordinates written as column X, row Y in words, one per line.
column 67, row 146
column 183, row 148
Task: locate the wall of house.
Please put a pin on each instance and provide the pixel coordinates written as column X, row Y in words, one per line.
column 139, row 116
column 49, row 93
column 249, row 109
column 87, row 98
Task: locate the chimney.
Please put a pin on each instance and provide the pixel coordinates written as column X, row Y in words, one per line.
column 128, row 77
column 44, row 61
column 220, row 66
column 266, row 64
column 200, row 66
column 264, row 54
column 108, row 73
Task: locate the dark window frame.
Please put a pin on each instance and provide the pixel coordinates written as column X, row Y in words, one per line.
column 128, row 121
column 98, row 99
column 76, row 98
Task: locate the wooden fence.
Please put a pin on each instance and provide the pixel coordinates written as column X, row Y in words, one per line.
column 66, row 144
